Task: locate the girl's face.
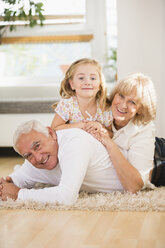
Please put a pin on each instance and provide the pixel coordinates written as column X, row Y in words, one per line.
column 86, row 81
column 124, row 108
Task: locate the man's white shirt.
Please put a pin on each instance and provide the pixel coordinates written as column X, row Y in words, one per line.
column 84, row 164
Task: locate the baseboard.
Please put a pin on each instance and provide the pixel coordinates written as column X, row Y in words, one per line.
column 8, row 152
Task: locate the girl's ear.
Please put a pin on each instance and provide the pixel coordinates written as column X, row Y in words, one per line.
column 52, row 133
column 71, row 84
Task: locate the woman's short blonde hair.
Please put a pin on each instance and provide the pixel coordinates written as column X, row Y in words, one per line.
column 145, row 95
column 66, row 90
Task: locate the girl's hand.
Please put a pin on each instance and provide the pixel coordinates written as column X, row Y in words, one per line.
column 80, row 124
column 92, row 126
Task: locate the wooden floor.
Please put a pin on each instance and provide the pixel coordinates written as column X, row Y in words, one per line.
column 78, row 229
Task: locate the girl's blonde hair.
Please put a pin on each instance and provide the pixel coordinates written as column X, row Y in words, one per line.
column 145, row 96
column 66, row 90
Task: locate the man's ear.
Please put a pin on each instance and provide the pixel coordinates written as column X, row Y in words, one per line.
column 71, row 84
column 52, row 133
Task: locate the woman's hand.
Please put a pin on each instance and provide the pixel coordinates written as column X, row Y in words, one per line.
column 94, row 128
column 105, row 137
column 98, row 131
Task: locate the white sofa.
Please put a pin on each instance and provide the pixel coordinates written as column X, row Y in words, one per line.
column 16, row 107
column 23, row 102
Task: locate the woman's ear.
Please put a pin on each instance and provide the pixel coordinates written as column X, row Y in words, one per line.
column 139, row 110
column 71, row 84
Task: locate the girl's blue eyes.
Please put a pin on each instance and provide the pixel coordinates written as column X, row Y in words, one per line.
column 81, row 78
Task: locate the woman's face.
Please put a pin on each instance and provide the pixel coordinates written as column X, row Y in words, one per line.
column 124, row 108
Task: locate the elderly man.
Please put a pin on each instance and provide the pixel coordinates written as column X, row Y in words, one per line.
column 71, row 160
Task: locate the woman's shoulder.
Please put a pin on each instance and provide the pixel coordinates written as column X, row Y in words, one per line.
column 148, row 128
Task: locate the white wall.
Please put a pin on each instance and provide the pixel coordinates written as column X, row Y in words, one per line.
column 141, row 46
column 9, row 123
column 96, row 14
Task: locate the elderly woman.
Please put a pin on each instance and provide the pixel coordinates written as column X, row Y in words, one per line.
column 133, row 106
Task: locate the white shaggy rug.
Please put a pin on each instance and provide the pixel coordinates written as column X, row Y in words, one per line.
column 147, row 200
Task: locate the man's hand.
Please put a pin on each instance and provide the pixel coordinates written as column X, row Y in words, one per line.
column 8, row 179
column 8, row 190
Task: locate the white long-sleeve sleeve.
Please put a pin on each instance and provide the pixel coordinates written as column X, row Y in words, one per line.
column 27, row 175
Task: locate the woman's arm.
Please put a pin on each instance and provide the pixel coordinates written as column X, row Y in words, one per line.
column 128, row 175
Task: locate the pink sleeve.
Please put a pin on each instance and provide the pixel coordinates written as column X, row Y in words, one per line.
column 63, row 109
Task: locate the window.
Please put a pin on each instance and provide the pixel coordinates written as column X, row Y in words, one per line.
column 110, row 69
column 55, row 13
column 76, row 31
column 74, row 11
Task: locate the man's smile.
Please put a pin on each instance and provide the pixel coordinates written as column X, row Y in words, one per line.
column 45, row 160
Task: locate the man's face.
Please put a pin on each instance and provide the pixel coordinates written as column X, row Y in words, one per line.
column 40, row 150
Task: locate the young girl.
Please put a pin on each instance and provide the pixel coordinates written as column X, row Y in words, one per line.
column 84, row 97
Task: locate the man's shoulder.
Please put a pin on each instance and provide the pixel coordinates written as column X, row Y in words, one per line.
column 76, row 137
column 72, row 132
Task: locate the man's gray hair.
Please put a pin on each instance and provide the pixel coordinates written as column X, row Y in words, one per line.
column 26, row 127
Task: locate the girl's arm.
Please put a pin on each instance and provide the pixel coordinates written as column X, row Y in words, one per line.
column 58, row 123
